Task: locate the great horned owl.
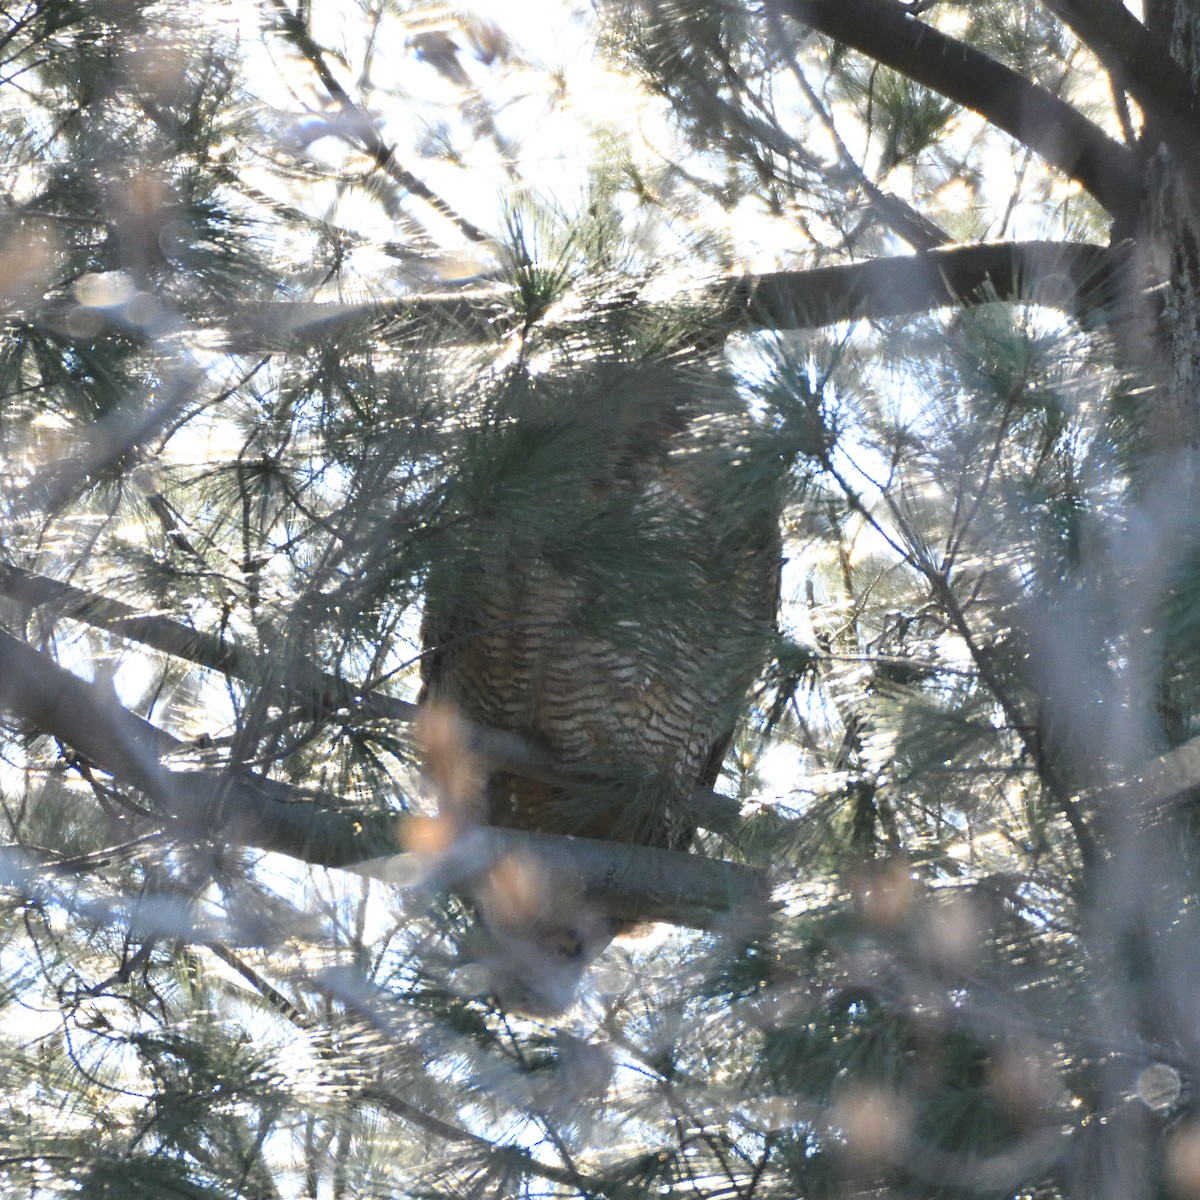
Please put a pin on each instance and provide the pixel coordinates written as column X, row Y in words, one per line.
column 610, row 595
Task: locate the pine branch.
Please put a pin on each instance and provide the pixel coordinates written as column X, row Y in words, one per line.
column 110, row 439
column 887, row 32
column 897, row 214
column 1076, row 277
column 980, row 653
column 380, row 1095
column 519, row 1158
column 1079, row 278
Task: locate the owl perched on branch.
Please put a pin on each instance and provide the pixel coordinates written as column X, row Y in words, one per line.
column 609, row 593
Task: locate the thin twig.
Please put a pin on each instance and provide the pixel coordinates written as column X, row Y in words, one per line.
column 364, row 127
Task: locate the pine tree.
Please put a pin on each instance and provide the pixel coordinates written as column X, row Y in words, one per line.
column 299, row 309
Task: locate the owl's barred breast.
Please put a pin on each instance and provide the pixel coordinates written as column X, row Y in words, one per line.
column 644, row 725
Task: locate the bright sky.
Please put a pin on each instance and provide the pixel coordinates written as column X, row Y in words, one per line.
column 554, row 102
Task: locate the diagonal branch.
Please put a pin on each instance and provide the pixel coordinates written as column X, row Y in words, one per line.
column 380, row 1094
column 633, row 882
column 246, row 808
column 1158, row 83
column 902, row 218
column 888, row 33
column 309, row 691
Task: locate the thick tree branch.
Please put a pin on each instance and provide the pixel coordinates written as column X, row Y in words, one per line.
column 246, row 808
column 1078, row 277
column 885, row 31
column 623, row 881
column 633, row 882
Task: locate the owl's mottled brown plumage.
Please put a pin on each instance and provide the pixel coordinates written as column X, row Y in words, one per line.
column 612, row 593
